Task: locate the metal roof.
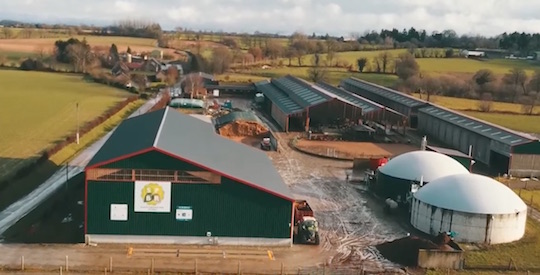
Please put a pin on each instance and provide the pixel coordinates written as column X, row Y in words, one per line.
column 190, row 138
column 426, row 165
column 448, row 152
column 480, row 127
column 282, row 101
column 393, row 95
column 132, row 135
column 365, row 104
column 236, row 116
column 301, row 92
column 471, row 193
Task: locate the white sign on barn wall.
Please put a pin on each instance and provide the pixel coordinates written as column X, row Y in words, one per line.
column 119, row 212
column 152, row 196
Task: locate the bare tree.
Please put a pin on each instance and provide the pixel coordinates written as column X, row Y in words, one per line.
column 171, row 75
column 221, row 60
column 516, row 79
column 361, row 62
column 80, row 55
column 331, row 48
column 317, row 73
column 256, row 52
column 406, row 66
column 273, row 49
column 377, row 64
column 385, row 58
column 8, row 32
column 485, row 103
column 534, row 84
column 140, row 81
column 529, row 102
column 430, row 86
column 194, row 85
column 483, row 77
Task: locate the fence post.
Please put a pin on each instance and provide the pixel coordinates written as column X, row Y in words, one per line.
column 110, row 264
column 152, row 266
column 60, row 270
column 282, row 268
column 67, row 264
column 239, row 268
column 105, row 271
column 22, row 263
column 196, row 268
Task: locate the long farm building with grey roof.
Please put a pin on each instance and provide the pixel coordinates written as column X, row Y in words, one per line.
column 502, row 149
column 166, row 177
column 395, row 100
column 297, row 105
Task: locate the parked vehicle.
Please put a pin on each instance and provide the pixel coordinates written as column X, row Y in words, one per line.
column 266, row 145
column 306, row 227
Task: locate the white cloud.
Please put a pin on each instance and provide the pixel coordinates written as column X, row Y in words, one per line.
column 338, row 17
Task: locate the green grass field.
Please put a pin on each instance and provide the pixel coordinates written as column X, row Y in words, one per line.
column 335, row 75
column 524, row 252
column 529, row 196
column 471, row 66
column 465, row 104
column 38, row 109
column 234, row 77
column 432, row 65
column 523, row 123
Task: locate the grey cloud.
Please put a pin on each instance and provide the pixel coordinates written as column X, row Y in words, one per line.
column 338, row 17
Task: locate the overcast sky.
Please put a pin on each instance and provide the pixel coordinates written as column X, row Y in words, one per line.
column 486, row 17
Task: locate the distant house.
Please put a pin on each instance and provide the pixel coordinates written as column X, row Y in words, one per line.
column 473, row 54
column 151, row 67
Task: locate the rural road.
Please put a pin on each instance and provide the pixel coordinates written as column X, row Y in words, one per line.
column 15, row 212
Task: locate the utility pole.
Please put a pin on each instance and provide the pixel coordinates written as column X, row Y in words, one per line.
column 77, row 106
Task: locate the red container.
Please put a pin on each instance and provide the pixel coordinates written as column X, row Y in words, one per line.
column 376, row 163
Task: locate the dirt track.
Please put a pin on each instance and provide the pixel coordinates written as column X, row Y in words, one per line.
column 354, row 149
column 351, row 221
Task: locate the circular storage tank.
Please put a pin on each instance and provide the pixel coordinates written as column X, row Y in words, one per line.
column 478, row 208
column 395, row 177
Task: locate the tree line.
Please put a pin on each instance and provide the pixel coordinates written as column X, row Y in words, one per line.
column 514, row 87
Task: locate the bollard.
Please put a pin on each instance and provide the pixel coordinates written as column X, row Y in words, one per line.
column 60, row 270
column 105, row 271
column 22, row 263
column 110, row 264
column 67, row 264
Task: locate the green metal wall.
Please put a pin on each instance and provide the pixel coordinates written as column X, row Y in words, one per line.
column 531, row 148
column 229, row 209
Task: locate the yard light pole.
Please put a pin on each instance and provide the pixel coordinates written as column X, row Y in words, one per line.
column 77, row 107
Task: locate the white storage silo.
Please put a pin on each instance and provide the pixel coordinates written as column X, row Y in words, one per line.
column 395, row 177
column 478, row 208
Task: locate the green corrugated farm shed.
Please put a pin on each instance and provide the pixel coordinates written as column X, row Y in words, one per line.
column 166, row 177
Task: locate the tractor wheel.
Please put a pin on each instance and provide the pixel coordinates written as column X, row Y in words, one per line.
column 317, row 240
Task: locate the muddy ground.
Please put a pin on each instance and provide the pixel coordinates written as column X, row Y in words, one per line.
column 347, row 149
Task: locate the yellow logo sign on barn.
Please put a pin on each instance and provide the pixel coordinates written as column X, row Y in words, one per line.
column 152, row 196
